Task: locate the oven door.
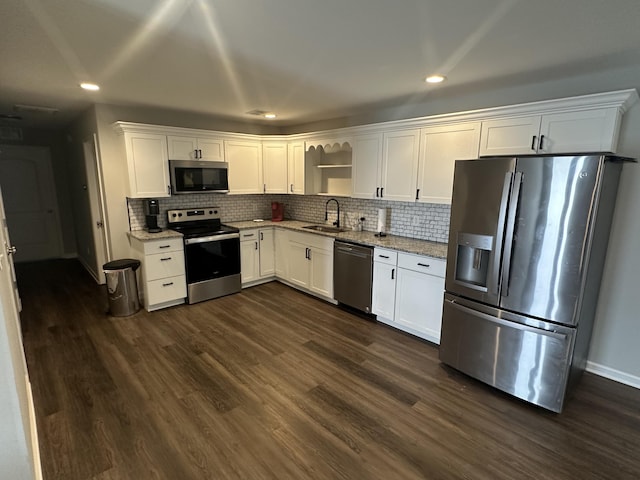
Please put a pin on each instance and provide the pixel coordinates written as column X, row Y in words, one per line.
column 212, row 257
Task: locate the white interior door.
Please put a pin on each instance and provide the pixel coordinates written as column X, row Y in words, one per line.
column 18, row 436
column 30, row 202
column 96, row 208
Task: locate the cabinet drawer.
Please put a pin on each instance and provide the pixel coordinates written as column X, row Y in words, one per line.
column 249, row 235
column 162, row 265
column 382, row 255
column 166, row 289
column 419, row 263
column 161, row 246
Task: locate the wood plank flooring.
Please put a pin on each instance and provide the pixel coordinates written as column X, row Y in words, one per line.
column 274, row 384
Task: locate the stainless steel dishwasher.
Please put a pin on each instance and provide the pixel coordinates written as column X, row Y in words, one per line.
column 353, row 275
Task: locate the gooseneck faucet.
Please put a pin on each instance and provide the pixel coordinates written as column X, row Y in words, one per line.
column 326, row 213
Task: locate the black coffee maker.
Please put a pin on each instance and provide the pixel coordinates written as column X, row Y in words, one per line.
column 151, row 212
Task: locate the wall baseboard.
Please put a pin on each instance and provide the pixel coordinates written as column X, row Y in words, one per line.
column 612, row 374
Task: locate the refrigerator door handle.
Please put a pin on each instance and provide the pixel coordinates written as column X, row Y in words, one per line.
column 494, row 281
column 511, row 225
column 506, row 323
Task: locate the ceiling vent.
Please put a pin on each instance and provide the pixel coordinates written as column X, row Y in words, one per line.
column 35, row 109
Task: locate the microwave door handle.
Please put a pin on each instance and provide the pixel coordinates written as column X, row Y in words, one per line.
column 511, row 225
column 494, row 281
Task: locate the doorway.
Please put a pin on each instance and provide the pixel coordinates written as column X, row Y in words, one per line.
column 31, row 206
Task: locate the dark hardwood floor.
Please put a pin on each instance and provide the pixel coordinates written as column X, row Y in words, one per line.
column 274, row 384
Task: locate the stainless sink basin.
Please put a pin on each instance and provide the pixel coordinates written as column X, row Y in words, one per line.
column 324, row 228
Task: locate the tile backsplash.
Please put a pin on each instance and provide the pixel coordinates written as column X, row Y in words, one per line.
column 425, row 221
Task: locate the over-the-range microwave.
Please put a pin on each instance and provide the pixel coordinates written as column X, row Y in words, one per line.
column 194, row 176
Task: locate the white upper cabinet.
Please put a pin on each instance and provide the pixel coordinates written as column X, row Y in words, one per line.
column 366, row 165
column 245, row 166
column 275, row 167
column 400, row 152
column 588, row 130
column 296, row 171
column 147, row 165
column 440, row 147
column 510, row 136
column 195, row 148
column 584, row 131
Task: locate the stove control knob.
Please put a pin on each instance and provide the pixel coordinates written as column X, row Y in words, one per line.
column 210, row 212
column 173, row 215
column 179, row 214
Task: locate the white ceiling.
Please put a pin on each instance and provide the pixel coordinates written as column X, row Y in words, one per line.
column 306, row 60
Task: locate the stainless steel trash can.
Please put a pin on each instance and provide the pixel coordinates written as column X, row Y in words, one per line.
column 122, row 287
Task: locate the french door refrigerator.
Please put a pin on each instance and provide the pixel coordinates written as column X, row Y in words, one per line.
column 527, row 242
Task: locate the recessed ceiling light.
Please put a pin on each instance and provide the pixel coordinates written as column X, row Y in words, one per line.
column 90, row 86
column 435, row 79
column 270, row 116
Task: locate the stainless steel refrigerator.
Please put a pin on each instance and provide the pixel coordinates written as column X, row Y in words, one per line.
column 527, row 243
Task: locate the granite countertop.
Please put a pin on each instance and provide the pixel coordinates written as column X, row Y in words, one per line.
column 145, row 236
column 393, row 242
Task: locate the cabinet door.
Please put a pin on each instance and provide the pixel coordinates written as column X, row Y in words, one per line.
column 245, row 166
column 148, row 165
column 400, row 165
column 321, row 273
column 274, row 165
column 366, row 159
column 182, row 148
column 267, row 252
column 249, row 261
column 419, row 298
column 299, row 264
column 582, row 131
column 384, row 290
column 296, row 172
column 510, row 136
column 211, row 149
column 281, row 253
column 440, row 147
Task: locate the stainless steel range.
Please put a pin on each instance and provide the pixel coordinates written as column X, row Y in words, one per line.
column 211, row 252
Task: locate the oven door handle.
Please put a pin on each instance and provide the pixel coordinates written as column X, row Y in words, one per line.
column 211, row 238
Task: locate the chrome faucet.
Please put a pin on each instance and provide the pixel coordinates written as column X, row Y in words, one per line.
column 326, row 213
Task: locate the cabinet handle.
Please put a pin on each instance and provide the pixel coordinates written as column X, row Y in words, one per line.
column 165, row 259
column 417, row 193
column 169, row 189
column 393, row 273
column 164, row 246
column 309, row 254
column 256, row 245
column 381, row 192
column 200, row 151
column 377, row 192
column 426, row 265
column 261, row 236
column 533, row 143
column 541, row 140
column 264, row 188
column 167, row 284
column 247, row 235
column 292, row 188
column 383, row 256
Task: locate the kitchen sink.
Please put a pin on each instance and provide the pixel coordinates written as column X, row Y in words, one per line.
column 324, row 228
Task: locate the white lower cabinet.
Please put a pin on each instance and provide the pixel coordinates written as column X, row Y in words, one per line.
column 383, row 301
column 163, row 281
column 257, row 255
column 310, row 263
column 281, row 248
column 408, row 293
